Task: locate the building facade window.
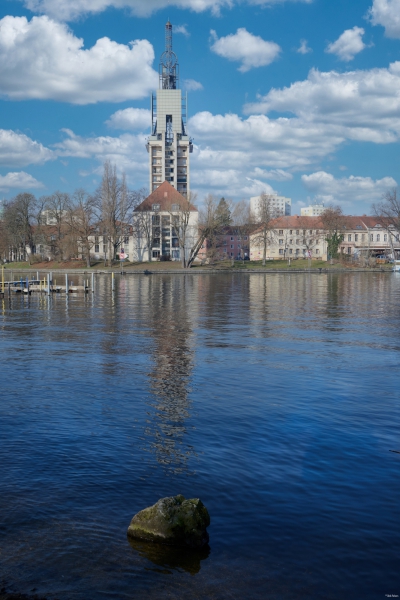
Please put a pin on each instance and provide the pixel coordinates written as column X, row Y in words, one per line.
column 349, row 250
column 356, row 237
column 378, row 237
column 96, row 248
column 280, row 250
column 281, row 242
column 281, row 232
column 385, row 237
column 372, row 237
column 349, row 237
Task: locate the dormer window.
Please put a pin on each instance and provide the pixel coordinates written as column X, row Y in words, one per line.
column 156, row 207
column 175, row 207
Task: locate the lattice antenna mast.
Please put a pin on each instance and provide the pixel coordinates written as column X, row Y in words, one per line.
column 169, row 67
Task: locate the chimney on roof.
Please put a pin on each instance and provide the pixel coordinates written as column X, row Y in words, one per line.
column 165, row 194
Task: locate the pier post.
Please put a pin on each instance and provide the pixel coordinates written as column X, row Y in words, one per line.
column 48, row 284
column 27, row 285
column 66, row 284
column 37, row 276
column 92, row 283
column 112, row 281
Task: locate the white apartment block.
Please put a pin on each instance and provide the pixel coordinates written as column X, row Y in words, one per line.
column 169, row 145
column 165, row 225
column 279, row 204
column 314, row 210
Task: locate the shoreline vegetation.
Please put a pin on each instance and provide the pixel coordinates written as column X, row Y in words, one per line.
column 226, row 266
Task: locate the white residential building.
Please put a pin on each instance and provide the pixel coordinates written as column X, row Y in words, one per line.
column 169, row 145
column 280, row 204
column 314, row 210
column 164, row 226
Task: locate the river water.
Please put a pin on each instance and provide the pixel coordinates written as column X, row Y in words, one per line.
column 273, row 398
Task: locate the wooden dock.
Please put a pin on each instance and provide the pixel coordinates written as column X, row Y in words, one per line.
column 41, row 287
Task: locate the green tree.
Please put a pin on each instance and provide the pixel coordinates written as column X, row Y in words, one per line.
column 333, row 223
column 223, row 212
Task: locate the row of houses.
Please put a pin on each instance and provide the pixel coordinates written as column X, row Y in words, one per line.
column 161, row 230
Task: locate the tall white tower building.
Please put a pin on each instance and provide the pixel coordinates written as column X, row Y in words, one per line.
column 169, row 145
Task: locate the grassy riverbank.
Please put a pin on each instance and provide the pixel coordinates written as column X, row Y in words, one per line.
column 272, row 265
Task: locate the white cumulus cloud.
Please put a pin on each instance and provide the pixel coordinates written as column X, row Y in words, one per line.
column 191, row 85
column 43, row 59
column 130, row 119
column 304, row 47
column 273, row 174
column 127, row 151
column 67, row 10
column 251, row 50
column 362, row 105
column 181, row 29
column 20, row 180
column 387, row 14
column 348, row 44
column 347, row 189
column 17, row 150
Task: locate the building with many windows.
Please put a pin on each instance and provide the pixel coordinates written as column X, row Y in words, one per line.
column 279, row 205
column 169, row 145
column 305, row 237
column 314, row 210
column 165, row 225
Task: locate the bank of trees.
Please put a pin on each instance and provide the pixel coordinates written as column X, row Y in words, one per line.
column 63, row 226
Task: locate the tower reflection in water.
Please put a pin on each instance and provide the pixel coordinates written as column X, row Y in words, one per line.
column 171, row 316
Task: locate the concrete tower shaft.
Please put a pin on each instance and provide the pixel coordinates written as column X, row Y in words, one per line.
column 169, row 144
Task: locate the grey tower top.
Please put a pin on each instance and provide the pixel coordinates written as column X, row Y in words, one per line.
column 169, row 67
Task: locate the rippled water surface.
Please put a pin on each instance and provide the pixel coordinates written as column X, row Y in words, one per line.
column 273, row 398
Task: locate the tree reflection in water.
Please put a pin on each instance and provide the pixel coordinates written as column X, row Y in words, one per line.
column 170, row 323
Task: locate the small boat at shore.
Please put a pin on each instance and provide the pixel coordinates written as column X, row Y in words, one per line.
column 396, row 266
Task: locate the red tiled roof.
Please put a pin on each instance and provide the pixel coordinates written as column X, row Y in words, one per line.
column 165, row 195
column 306, row 222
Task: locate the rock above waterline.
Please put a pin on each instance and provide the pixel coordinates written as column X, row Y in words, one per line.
column 174, row 521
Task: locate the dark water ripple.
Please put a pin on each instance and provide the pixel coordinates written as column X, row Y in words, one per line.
column 273, row 398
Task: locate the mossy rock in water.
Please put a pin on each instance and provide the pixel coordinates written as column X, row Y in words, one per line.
column 174, row 521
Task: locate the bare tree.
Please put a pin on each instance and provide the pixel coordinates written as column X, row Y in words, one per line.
column 146, row 226
column 81, row 219
column 18, row 217
column 334, row 223
column 56, row 209
column 5, row 241
column 211, row 223
column 264, row 217
column 388, row 212
column 310, row 236
column 241, row 219
column 183, row 227
column 115, row 204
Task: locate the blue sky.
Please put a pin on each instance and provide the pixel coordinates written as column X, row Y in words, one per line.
column 297, row 97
